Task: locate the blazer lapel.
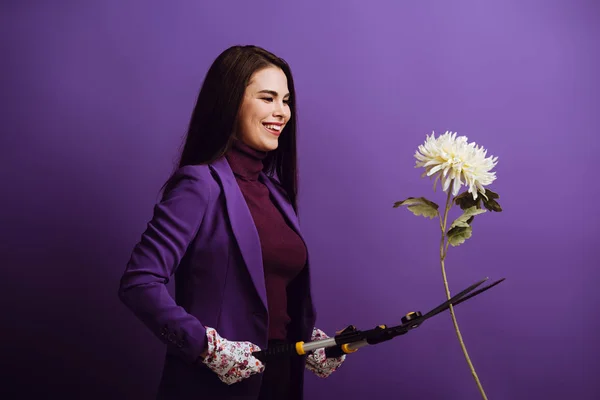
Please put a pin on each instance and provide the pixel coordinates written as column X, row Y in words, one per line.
column 286, row 208
column 282, row 202
column 243, row 227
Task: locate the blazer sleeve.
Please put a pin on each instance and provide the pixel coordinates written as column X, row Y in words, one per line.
column 175, row 222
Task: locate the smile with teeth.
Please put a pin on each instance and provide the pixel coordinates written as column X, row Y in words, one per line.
column 272, row 127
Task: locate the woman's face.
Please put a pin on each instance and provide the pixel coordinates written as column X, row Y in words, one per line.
column 265, row 109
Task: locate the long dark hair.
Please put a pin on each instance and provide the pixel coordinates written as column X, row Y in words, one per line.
column 211, row 130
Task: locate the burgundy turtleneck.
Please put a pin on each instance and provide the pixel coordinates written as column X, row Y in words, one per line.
column 283, row 251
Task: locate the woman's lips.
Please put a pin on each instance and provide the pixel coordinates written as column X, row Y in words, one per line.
column 272, row 128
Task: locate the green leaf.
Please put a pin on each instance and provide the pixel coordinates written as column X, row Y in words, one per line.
column 465, row 201
column 490, row 203
column 491, row 195
column 461, row 229
column 458, row 235
column 466, row 218
column 420, row 206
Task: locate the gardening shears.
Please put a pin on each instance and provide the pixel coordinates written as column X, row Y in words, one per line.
column 351, row 339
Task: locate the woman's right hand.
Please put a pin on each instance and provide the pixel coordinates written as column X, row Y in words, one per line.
column 231, row 361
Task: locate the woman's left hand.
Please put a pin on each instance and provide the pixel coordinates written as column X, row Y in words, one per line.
column 318, row 363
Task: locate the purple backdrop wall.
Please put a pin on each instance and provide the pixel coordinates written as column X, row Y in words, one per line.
column 95, row 100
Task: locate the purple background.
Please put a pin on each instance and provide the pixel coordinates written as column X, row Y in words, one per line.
column 95, row 100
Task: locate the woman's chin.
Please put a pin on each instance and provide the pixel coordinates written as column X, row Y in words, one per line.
column 270, row 145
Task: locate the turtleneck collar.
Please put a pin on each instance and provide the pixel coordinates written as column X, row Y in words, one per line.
column 246, row 162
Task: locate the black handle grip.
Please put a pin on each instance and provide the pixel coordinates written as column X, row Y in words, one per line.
column 334, row 352
column 286, row 349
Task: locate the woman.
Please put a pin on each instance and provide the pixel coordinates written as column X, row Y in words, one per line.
column 227, row 229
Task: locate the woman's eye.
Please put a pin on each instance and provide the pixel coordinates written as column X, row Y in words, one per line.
column 271, row 99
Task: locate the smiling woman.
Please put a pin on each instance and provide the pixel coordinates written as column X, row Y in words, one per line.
column 227, row 229
column 264, row 111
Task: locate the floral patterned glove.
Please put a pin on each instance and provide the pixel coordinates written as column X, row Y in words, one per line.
column 318, row 363
column 231, row 361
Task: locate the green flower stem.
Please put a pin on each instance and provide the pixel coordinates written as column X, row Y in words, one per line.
column 443, row 252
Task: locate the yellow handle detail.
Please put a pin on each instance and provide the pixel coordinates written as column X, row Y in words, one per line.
column 346, row 349
column 300, row 348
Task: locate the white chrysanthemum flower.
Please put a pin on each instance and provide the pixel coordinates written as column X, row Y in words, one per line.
column 456, row 162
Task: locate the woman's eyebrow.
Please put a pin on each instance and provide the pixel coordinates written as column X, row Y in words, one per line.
column 272, row 92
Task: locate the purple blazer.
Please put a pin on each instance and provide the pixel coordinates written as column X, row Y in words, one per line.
column 202, row 233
